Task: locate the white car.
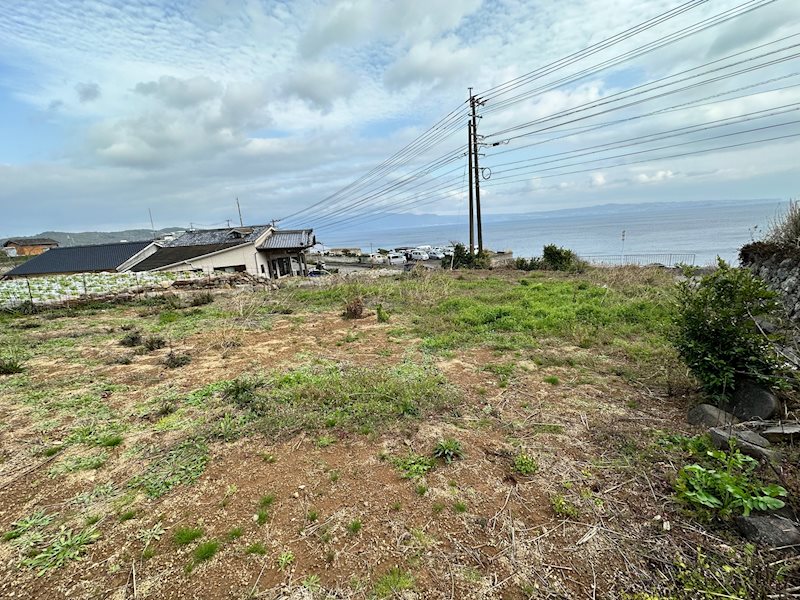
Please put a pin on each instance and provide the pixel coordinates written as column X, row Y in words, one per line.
column 436, row 254
column 419, row 255
column 395, row 259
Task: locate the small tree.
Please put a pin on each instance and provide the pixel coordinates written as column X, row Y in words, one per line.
column 716, row 331
column 463, row 259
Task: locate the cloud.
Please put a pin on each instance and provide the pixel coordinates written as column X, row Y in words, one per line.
column 657, row 176
column 439, row 63
column 320, row 84
column 87, row 92
column 180, row 93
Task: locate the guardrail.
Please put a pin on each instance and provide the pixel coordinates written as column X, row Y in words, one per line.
column 668, row 259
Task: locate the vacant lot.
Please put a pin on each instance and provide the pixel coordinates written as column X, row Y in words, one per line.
column 476, row 435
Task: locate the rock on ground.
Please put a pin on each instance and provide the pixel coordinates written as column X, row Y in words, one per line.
column 706, row 415
column 782, row 434
column 751, row 401
column 770, row 530
column 748, row 442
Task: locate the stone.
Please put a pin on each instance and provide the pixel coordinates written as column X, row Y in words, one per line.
column 782, row 434
column 751, row 401
column 769, row 530
column 721, row 439
column 706, row 415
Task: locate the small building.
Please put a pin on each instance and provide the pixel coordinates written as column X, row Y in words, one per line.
column 260, row 250
column 28, row 246
column 82, row 259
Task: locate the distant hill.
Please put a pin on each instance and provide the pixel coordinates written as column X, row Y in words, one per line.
column 99, row 237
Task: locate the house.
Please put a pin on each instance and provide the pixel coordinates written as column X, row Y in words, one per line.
column 260, row 250
column 28, row 246
column 82, row 259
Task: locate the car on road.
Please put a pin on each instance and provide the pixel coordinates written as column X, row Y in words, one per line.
column 395, row 259
column 436, row 254
column 419, row 255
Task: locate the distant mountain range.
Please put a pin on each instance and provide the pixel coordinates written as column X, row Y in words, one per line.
column 403, row 220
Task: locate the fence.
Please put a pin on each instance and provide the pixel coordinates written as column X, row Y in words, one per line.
column 668, row 259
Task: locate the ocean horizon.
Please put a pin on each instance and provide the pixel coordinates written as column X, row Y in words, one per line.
column 706, row 229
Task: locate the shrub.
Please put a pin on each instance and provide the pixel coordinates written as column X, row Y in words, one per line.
column 555, row 258
column 10, row 365
column 716, row 334
column 462, row 259
column 354, row 308
column 523, row 264
column 201, row 298
column 131, row 339
column 727, row 486
column 175, row 360
column 383, row 316
column 154, row 342
column 785, row 230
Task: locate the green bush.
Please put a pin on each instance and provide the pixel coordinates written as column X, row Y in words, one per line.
column 463, row 259
column 785, row 230
column 534, row 264
column 716, row 333
column 555, row 258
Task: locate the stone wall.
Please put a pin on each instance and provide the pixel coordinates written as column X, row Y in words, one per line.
column 779, row 267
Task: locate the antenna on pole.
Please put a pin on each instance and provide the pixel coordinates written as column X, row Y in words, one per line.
column 152, row 227
column 239, row 208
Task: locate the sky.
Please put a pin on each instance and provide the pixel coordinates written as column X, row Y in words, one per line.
column 108, row 109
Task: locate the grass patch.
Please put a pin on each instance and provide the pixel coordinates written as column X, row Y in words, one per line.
column 65, row 546
column 186, row 535
column 552, row 380
column 256, row 548
column 183, row 464
column 393, row 582
column 79, row 463
column 205, row 551
column 344, row 396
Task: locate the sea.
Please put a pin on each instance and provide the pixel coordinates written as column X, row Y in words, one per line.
column 692, row 232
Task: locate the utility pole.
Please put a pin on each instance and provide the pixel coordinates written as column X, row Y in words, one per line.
column 473, row 101
column 471, row 197
column 239, row 208
column 228, row 221
column 152, row 227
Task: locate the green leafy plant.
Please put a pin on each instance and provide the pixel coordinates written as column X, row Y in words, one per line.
column 413, row 466
column 312, row 583
column 383, row 316
column 67, row 545
column 256, row 548
column 729, row 488
column 184, row 463
column 525, row 464
column 715, row 331
column 563, row 507
column 448, row 450
column 285, row 559
column 37, row 520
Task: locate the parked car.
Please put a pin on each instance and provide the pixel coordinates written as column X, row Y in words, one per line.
column 436, row 254
column 318, row 273
column 395, row 259
column 419, row 255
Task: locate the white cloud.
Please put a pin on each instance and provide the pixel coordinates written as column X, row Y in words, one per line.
column 284, row 103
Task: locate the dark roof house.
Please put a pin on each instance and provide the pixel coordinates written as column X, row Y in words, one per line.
column 79, row 259
column 30, row 242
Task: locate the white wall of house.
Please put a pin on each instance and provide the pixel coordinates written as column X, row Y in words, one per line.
column 233, row 257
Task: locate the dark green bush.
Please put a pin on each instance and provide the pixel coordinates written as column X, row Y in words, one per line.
column 463, row 259
column 555, row 258
column 715, row 329
column 534, row 264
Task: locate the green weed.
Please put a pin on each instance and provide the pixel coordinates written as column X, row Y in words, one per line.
column 183, row 464
column 413, row 466
column 186, row 535
column 256, row 548
column 448, row 450
column 67, row 545
column 393, row 582
column 525, row 464
column 285, row 559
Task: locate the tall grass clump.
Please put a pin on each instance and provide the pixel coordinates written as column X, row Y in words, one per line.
column 715, row 329
column 785, row 229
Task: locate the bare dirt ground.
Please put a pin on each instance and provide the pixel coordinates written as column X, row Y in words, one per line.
column 596, row 520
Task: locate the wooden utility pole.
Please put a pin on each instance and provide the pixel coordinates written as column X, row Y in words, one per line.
column 471, row 201
column 473, row 101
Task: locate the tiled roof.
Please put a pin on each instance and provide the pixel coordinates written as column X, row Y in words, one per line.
column 79, row 259
column 169, row 255
column 31, row 242
column 289, row 238
column 204, row 237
